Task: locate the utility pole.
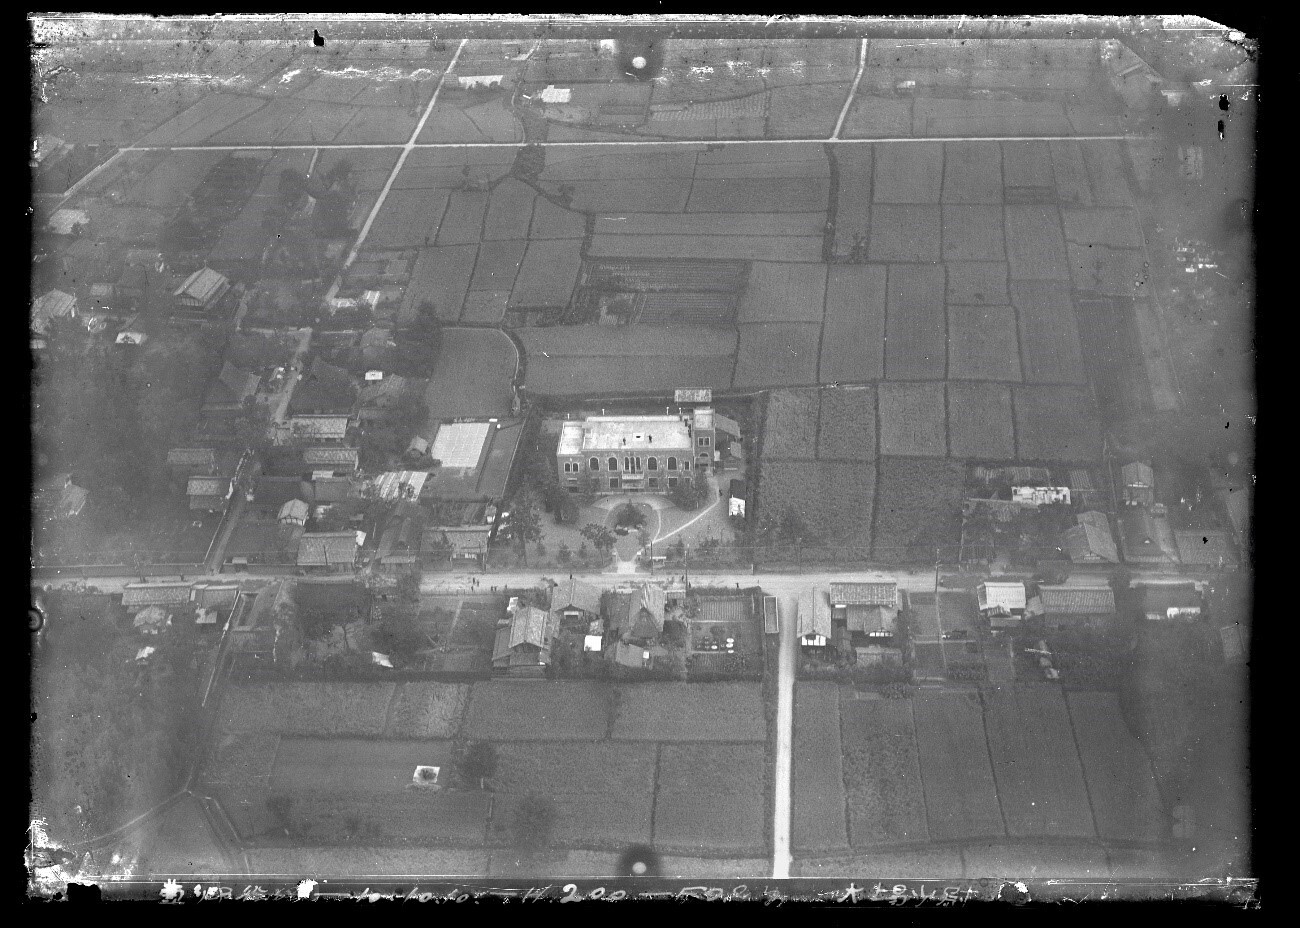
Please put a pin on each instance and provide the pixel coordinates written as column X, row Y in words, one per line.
column 686, row 561
column 936, row 577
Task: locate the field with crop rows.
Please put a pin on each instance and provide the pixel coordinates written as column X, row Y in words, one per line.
column 426, row 710
column 918, row 502
column 1049, row 333
column 1035, row 245
column 980, row 421
column 790, row 430
column 1056, row 424
column 853, row 338
column 961, row 797
column 713, row 712
column 982, row 343
column 848, row 416
column 775, row 354
column 913, row 419
column 710, row 797
column 307, row 708
column 784, row 292
column 1121, row 787
column 818, row 809
column 548, row 274
column 882, row 772
column 834, row 498
column 559, row 711
column 916, row 339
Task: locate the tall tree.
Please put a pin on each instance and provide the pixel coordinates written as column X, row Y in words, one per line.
column 527, row 522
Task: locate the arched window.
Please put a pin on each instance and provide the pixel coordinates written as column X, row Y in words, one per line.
column 652, row 464
column 613, row 463
column 595, row 463
column 672, row 463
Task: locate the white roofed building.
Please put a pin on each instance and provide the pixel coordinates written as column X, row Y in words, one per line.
column 630, row 454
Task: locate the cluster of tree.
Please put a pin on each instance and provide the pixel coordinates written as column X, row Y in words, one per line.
column 690, row 494
column 215, row 202
column 387, row 439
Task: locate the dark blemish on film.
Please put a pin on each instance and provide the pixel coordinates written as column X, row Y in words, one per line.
column 1220, row 128
column 1223, row 102
column 317, row 39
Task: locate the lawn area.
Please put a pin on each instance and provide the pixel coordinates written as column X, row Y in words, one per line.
column 604, row 792
column 527, row 711
column 307, row 708
column 1036, row 764
column 710, row 797
column 689, row 712
column 790, row 429
column 1121, row 786
column 819, row 803
column 471, row 376
column 961, row 797
column 882, row 774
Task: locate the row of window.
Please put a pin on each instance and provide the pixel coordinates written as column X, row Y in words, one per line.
column 631, row 464
column 652, row 483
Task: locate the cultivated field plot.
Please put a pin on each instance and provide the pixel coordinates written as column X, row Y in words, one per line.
column 1036, row 764
column 617, row 375
column 747, row 193
column 510, row 210
column 1049, row 332
column 790, row 430
column 1107, row 173
column 529, row 711
column 173, row 180
column 803, row 111
column 980, row 421
column 763, row 225
column 1038, row 860
column 919, row 504
column 904, row 232
column 454, row 169
column 627, row 341
column 441, row 277
column 852, row 197
column 1071, row 174
column 977, row 283
column 726, row 247
column 1116, row 228
column 932, row 863
column 242, row 760
column 853, row 337
column 784, row 292
column 555, row 222
column 462, row 223
column 1121, row 786
column 664, row 194
column 689, row 712
column 375, row 860
column 472, row 375
column 604, row 792
column 961, row 799
column 485, row 306
column 548, row 274
column 602, row 164
column 497, row 265
column 882, row 773
column 205, row 118
column 913, row 419
column 818, row 810
column 775, row 354
column 873, row 117
column 982, row 343
column 1027, row 164
column 408, row 220
column 849, row 414
column 426, row 710
column 1110, row 271
column 972, row 172
column 309, row 764
column 833, row 496
column 484, row 122
column 923, row 612
column 973, row 232
column 916, row 343
column 710, row 796
column 333, row 708
column 908, row 172
column 1056, row 424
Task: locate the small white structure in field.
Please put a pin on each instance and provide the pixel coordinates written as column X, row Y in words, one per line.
column 1040, row 496
column 426, row 777
column 553, row 94
column 479, row 80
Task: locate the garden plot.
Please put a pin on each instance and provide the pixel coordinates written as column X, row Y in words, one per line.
column 747, row 194
column 852, row 215
column 784, row 292
column 819, row 804
column 441, row 276
column 426, row 710
column 1036, row 763
column 734, row 247
column 1109, row 271
column 603, row 792
column 977, row 283
column 848, row 415
column 973, row 232
column 961, row 798
column 1121, row 787
column 853, row 339
column 882, row 772
column 904, row 232
column 1035, row 246
column 665, row 194
column 790, row 430
column 919, row 506
column 307, row 708
column 1027, row 164
column 1049, row 333
column 552, row 222
column 557, row 711
column 980, row 421
column 916, row 343
column 972, row 172
column 710, row 796
column 982, row 343
column 1071, row 174
column 775, row 354
column 497, row 265
column 462, row 223
column 763, row 225
column 913, row 419
column 835, row 497
column 1056, row 424
column 548, row 274
column 1104, row 162
column 1115, row 228
column 510, row 209
column 909, row 172
column 689, row 712
column 409, row 220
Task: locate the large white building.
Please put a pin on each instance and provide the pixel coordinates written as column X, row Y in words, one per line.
column 632, row 454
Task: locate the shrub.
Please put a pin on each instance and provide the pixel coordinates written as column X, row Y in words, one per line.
column 479, row 762
column 629, row 516
column 563, row 554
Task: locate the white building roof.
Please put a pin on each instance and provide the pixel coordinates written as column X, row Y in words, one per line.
column 400, row 484
column 65, row 220
column 553, row 94
column 460, row 444
column 52, row 305
column 203, row 285
column 997, row 595
column 619, row 433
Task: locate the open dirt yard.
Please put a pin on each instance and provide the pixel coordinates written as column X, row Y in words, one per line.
column 819, row 804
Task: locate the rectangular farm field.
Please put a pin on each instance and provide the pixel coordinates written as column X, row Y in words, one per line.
column 565, row 376
column 509, row 211
column 919, row 506
column 462, row 223
column 1116, row 228
column 1035, row 244
column 904, row 232
column 665, row 195
column 977, row 283
column 1027, row 164
column 559, row 711
column 848, row 417
column 1056, row 424
column 307, row 708
column 744, row 194
column 1049, row 332
column 882, row 773
column 790, row 430
column 739, row 247
column 961, row 797
column 852, row 198
column 818, row 810
column 690, row 712
column 982, row 343
column 426, row 710
column 408, row 220
column 908, row 172
column 442, row 277
column 1107, row 174
column 784, row 292
column 973, row 232
column 710, row 796
column 777, row 354
column 762, row 225
column 916, row 344
column 972, row 172
column 548, row 274
column 551, row 222
column 1121, row 787
column 497, row 265
column 1071, row 174
column 980, row 421
column 834, row 497
column 913, row 419
column 853, row 339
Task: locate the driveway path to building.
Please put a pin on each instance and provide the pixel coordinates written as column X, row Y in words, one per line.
column 784, row 739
